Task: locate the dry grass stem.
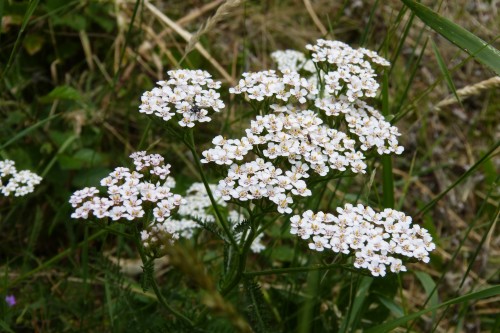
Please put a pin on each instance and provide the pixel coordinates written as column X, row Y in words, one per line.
column 471, row 90
column 187, row 36
column 315, row 18
column 221, row 12
column 197, row 12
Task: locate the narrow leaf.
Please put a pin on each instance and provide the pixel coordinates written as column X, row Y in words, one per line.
column 27, row 131
column 62, row 92
column 445, row 71
column 467, row 41
column 387, row 327
column 27, row 16
column 393, row 307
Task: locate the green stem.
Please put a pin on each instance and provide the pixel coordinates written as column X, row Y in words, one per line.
column 297, row 270
column 239, row 269
column 387, row 173
column 145, row 134
column 241, row 262
column 223, row 222
column 156, row 289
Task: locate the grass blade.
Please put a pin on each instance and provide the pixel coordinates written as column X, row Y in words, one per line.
column 387, row 173
column 352, row 320
column 467, row 173
column 27, row 131
column 467, row 41
column 31, row 8
column 445, row 71
column 429, row 286
column 387, row 327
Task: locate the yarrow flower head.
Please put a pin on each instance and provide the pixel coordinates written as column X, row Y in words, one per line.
column 377, row 240
column 16, row 182
column 304, row 128
column 192, row 215
column 301, row 139
column 292, row 60
column 189, row 96
column 347, row 67
column 128, row 192
column 281, row 86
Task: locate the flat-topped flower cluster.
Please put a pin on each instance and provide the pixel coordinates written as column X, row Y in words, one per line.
column 189, row 93
column 346, row 67
column 13, row 181
column 378, row 240
column 303, row 124
column 129, row 191
column 299, row 137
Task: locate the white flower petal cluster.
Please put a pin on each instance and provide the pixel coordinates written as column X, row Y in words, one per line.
column 300, row 138
column 17, row 182
column 351, row 68
column 129, row 191
column 292, row 60
column 348, row 78
column 365, row 122
column 377, row 240
column 280, row 86
column 196, row 207
column 189, row 94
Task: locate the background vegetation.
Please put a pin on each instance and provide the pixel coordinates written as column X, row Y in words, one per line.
column 72, row 73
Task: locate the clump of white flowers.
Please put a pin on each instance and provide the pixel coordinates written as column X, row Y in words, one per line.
column 347, row 68
column 300, row 138
column 305, row 126
column 128, row 192
column 292, row 60
column 377, row 240
column 369, row 125
column 313, row 122
column 280, row 86
column 188, row 95
column 195, row 211
column 16, row 182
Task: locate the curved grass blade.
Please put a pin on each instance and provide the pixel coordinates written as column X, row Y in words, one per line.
column 467, row 41
column 28, row 130
column 31, row 8
column 446, row 72
column 387, row 327
column 466, row 174
column 387, row 173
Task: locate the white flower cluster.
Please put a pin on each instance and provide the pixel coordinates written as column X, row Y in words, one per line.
column 300, row 138
column 18, row 182
column 365, row 122
column 191, row 93
column 351, row 68
column 128, row 192
column 268, row 84
column 292, row 60
column 378, row 240
column 195, row 209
